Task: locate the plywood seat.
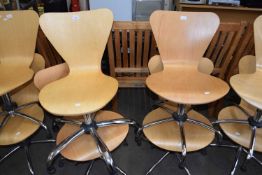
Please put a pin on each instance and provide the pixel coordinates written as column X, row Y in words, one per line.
column 249, row 87
column 167, row 135
column 84, row 148
column 185, row 85
column 239, row 133
column 78, row 93
column 13, row 77
column 18, row 129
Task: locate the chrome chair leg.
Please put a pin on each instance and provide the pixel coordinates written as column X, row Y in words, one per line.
column 62, row 145
column 5, row 120
column 157, row 163
column 29, row 160
column 115, row 122
column 105, row 154
column 230, row 121
column 32, row 119
column 250, row 153
column 196, row 122
column 90, row 167
column 43, row 141
column 157, row 122
column 183, row 145
column 3, row 113
column 26, row 105
column 185, row 168
column 72, row 122
column 10, row 153
column 239, row 150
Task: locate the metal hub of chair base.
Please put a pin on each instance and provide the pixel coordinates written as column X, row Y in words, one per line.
column 10, row 109
column 89, row 126
column 180, row 117
column 254, row 122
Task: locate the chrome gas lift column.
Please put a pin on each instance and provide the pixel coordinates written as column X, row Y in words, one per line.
column 90, row 126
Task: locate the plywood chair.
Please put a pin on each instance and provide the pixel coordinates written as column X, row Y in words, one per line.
column 182, row 38
column 80, row 38
column 243, row 123
column 20, row 116
column 19, row 130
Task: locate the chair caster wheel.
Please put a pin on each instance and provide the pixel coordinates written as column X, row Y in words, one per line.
column 138, row 141
column 51, row 170
column 55, row 127
column 182, row 165
column 125, row 143
column 61, row 163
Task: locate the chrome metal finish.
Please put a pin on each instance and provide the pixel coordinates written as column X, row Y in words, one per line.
column 230, row 121
column 181, row 109
column 258, row 116
column 157, row 122
column 185, row 168
column 239, row 150
column 161, row 105
column 115, row 122
column 196, row 122
column 43, row 141
column 72, row 122
column 26, row 105
column 5, row 120
column 183, row 144
column 28, row 160
column 90, row 167
column 62, row 145
column 103, row 150
column 10, row 153
column 157, row 163
column 250, row 153
column 32, row 119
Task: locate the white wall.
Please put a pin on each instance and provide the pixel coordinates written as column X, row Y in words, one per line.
column 122, row 9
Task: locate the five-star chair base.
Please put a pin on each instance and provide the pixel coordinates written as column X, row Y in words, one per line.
column 255, row 124
column 84, row 133
column 177, row 122
column 17, row 126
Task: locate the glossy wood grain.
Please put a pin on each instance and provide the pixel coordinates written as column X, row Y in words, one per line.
column 167, row 135
column 84, row 148
column 155, row 65
column 16, row 48
column 181, row 59
column 80, row 38
column 18, row 129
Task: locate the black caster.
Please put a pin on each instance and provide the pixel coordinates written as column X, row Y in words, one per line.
column 51, row 170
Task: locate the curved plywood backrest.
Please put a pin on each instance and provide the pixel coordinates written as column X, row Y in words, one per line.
column 258, row 41
column 79, row 37
column 183, row 37
column 18, row 32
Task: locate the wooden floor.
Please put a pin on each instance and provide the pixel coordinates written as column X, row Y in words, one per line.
column 135, row 160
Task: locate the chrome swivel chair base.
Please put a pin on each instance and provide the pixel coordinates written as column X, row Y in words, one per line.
column 89, row 126
column 180, row 117
column 10, row 109
column 255, row 122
